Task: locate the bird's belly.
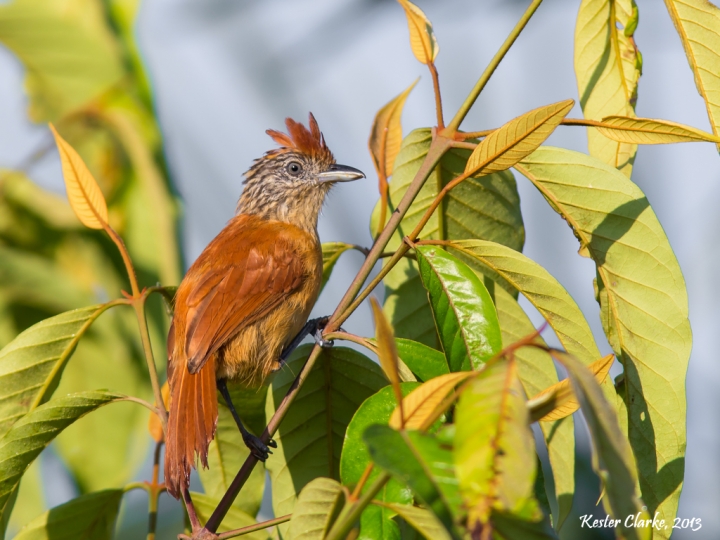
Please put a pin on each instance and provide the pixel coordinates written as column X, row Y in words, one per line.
column 251, row 355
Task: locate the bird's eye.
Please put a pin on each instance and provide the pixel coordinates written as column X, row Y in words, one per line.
column 294, row 168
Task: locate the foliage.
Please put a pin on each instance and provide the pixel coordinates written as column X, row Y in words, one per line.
column 437, row 441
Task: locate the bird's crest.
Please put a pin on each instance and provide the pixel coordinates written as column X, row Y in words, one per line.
column 299, row 138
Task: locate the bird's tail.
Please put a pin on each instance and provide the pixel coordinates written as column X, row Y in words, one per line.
column 192, row 423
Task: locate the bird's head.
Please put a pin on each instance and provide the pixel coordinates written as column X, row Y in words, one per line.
column 290, row 183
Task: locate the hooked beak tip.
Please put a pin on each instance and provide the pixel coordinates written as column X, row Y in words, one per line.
column 340, row 173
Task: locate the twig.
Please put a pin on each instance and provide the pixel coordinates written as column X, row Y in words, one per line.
column 253, row 528
column 438, row 99
column 241, row 477
column 351, row 513
column 494, row 63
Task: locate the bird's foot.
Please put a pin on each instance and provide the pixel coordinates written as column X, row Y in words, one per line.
column 258, row 448
column 324, row 343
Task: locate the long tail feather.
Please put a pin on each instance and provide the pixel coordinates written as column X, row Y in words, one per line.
column 191, row 425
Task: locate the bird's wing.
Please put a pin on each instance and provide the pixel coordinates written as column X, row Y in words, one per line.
column 263, row 269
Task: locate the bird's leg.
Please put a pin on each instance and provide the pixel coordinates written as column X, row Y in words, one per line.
column 313, row 327
column 257, row 448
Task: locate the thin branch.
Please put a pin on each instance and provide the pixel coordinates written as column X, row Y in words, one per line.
column 399, row 254
column 494, row 63
column 346, row 336
column 141, row 402
column 139, row 305
column 241, row 477
column 363, row 480
column 466, row 145
column 351, row 513
column 256, row 527
column 438, row 147
column 115, row 237
column 438, row 99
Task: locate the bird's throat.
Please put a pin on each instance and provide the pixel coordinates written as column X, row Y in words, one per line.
column 299, row 209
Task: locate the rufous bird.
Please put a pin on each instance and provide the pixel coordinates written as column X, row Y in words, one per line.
column 247, row 297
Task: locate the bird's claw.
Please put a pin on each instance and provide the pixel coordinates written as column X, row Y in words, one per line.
column 258, row 448
column 324, row 343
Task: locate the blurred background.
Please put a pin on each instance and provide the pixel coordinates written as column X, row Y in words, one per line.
column 220, row 72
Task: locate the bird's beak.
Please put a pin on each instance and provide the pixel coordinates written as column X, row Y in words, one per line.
column 340, row 173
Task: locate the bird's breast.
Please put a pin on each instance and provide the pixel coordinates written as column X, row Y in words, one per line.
column 254, row 352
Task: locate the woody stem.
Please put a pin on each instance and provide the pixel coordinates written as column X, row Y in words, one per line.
column 438, row 147
column 241, row 477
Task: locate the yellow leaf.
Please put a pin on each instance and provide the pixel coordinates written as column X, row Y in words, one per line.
column 558, row 401
column 387, row 351
column 649, row 131
column 698, row 23
column 154, row 425
column 85, row 197
column 422, row 38
column 607, row 67
column 512, row 142
column 386, row 134
column 420, row 404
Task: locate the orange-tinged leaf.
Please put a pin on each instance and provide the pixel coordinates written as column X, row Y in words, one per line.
column 387, row 351
column 650, row 131
column 421, row 404
column 86, row 199
column 386, row 134
column 558, row 401
column 154, row 425
column 512, row 142
column 422, row 38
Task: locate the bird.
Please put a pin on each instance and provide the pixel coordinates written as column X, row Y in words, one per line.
column 244, row 302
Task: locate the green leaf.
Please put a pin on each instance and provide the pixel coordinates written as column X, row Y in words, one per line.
column 375, row 522
column 227, row 451
column 68, row 51
column 422, row 520
column 607, row 66
column 423, row 361
column 105, row 450
column 464, row 312
column 234, row 519
column 317, row 508
column 494, row 449
column 698, row 24
column 33, row 432
column 311, row 435
column 485, row 207
column 89, row 517
column 537, row 372
column 31, row 365
column 643, row 305
column 540, row 288
column 612, row 455
column 422, row 463
column 331, row 252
